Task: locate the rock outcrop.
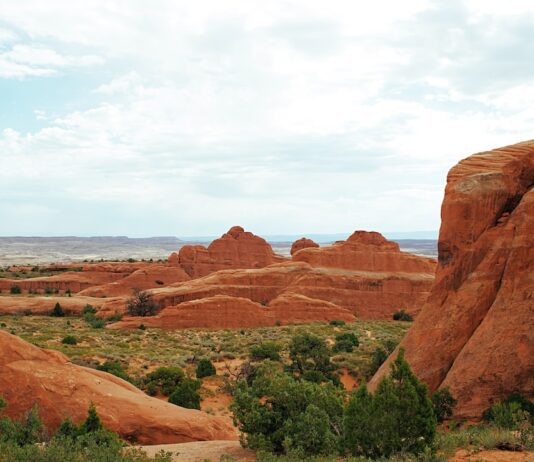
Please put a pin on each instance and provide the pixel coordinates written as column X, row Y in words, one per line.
column 475, row 335
column 366, row 251
column 302, row 243
column 149, row 277
column 226, row 312
column 288, row 292
column 30, row 376
column 235, row 249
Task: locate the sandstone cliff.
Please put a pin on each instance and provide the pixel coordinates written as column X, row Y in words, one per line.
column 475, row 335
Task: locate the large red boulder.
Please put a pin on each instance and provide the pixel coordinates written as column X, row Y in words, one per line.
column 31, row 376
column 475, row 335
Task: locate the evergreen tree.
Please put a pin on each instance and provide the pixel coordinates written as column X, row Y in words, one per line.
column 92, row 422
column 398, row 417
column 58, row 311
column 205, row 368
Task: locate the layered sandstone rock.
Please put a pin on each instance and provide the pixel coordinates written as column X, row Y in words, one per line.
column 292, row 292
column 15, row 305
column 366, row 251
column 149, row 277
column 476, row 333
column 30, row 376
column 226, row 312
column 235, row 249
column 302, row 243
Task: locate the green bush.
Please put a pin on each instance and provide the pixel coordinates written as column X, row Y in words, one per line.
column 164, row 380
column 57, row 311
column 443, row 403
column 507, row 413
column 337, row 322
column 311, row 358
column 186, row 395
column 401, row 315
column 15, row 290
column 397, row 418
column 141, row 304
column 88, row 309
column 345, row 342
column 93, row 321
column 205, row 368
column 115, row 368
column 266, row 350
column 69, row 340
column 280, row 414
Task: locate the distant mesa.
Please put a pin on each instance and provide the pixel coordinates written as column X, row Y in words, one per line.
column 475, row 335
column 302, row 243
column 61, row 390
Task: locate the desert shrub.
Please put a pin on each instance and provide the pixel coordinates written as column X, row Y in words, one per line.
column 380, row 354
column 280, row 414
column 205, row 368
column 15, row 290
column 266, row 350
column 141, row 304
column 508, row 415
column 337, row 322
column 57, row 311
column 92, row 320
column 48, row 291
column 186, row 394
column 114, row 318
column 88, row 309
column 345, row 342
column 505, row 414
column 164, row 380
column 29, row 430
column 397, row 418
column 443, row 403
column 401, row 315
column 68, row 293
column 311, row 358
column 69, row 340
column 115, row 368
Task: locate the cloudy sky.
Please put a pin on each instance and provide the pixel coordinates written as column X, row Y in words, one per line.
column 183, row 118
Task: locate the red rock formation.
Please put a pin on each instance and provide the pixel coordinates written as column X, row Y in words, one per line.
column 235, row 249
column 224, row 312
column 44, row 305
column 297, row 287
column 476, row 333
column 61, row 389
column 366, row 251
column 302, row 243
column 149, row 277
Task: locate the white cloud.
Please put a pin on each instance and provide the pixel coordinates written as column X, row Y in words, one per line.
column 283, row 116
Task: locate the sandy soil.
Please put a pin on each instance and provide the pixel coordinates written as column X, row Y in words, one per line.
column 200, row 451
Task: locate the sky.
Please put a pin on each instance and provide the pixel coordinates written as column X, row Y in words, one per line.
column 184, row 118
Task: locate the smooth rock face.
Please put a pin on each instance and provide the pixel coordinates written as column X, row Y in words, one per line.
column 476, row 333
column 302, row 243
column 235, row 249
column 31, row 376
